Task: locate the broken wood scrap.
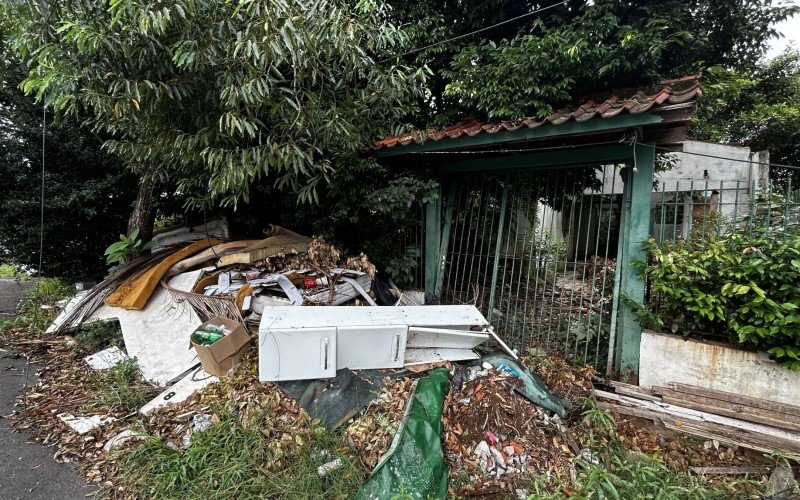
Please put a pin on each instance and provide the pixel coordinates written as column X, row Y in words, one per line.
column 209, row 254
column 134, row 293
column 739, row 432
column 727, row 471
column 273, row 246
column 730, row 409
column 630, row 390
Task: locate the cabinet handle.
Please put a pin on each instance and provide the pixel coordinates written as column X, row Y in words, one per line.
column 396, row 347
column 325, row 353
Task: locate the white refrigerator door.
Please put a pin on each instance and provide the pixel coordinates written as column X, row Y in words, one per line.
column 297, row 354
column 371, row 347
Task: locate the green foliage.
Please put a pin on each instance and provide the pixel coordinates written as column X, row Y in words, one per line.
column 744, row 285
column 217, row 95
column 96, row 336
column 572, row 52
column 758, row 107
column 120, row 387
column 88, row 193
column 231, row 460
column 127, row 249
column 8, row 271
column 373, row 208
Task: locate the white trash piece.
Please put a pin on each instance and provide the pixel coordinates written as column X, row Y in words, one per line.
column 82, row 425
column 106, row 359
column 181, row 391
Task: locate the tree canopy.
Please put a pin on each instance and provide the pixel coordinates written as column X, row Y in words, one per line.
column 216, row 95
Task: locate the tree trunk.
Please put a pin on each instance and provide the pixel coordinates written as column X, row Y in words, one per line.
column 144, row 215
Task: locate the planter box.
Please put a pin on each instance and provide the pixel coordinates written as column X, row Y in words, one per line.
column 668, row 358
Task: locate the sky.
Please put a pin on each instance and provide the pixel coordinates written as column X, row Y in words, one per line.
column 791, row 34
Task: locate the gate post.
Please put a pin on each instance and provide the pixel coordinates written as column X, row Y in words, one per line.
column 433, row 238
column 637, row 194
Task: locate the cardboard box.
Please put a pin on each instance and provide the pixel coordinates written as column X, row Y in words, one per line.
column 219, row 357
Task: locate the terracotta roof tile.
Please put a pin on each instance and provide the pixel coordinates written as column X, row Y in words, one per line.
column 632, row 101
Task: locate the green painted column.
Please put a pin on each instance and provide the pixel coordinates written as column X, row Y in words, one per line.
column 636, row 209
column 433, row 239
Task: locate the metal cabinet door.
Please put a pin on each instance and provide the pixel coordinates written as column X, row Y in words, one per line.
column 297, row 354
column 371, row 347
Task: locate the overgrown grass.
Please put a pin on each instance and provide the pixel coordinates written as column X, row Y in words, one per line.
column 229, row 460
column 622, row 474
column 120, row 387
column 96, row 336
column 12, row 271
column 31, row 314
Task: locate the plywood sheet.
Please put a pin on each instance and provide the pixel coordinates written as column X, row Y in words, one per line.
column 158, row 336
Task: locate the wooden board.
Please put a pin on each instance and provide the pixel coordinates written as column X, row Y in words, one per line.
column 209, row 254
column 134, row 293
column 734, row 410
column 282, row 244
column 710, row 426
column 782, row 408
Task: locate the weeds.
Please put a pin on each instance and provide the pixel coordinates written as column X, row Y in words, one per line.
column 120, row 387
column 231, row 461
column 96, row 336
column 30, row 310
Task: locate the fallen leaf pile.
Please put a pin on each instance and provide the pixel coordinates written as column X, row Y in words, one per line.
column 371, row 434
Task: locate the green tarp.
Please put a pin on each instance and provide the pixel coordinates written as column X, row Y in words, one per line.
column 414, row 465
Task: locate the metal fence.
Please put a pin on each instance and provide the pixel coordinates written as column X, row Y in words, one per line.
column 535, row 251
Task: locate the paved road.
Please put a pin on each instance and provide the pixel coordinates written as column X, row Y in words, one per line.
column 27, row 470
column 11, row 293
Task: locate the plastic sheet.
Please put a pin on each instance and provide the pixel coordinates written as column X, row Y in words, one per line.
column 414, row 465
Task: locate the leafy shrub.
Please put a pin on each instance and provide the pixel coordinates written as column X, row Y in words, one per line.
column 744, row 286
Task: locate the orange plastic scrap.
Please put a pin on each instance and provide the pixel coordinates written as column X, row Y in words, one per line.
column 134, row 293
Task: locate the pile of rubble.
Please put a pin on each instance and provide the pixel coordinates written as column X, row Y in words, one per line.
column 494, row 435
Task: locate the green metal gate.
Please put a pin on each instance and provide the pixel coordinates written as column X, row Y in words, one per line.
column 535, row 251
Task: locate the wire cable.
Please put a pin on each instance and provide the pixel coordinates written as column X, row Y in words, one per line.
column 471, row 33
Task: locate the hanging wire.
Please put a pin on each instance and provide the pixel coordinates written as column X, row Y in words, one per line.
column 471, row 33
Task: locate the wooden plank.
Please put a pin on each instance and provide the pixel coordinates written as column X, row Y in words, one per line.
column 727, row 471
column 632, row 390
column 710, row 426
column 737, row 398
column 281, row 244
column 734, row 410
column 134, row 293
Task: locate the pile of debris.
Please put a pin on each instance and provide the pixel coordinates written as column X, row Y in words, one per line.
column 493, row 435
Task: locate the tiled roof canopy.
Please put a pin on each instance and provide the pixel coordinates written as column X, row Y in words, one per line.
column 668, row 93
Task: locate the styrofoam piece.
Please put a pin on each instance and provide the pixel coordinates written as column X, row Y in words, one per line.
column 67, row 308
column 417, row 355
column 158, row 335
column 181, row 390
column 442, row 337
column 297, row 354
column 460, row 317
column 373, row 347
column 82, row 425
column 106, row 358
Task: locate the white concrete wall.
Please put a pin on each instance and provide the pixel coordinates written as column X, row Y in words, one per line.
column 711, row 365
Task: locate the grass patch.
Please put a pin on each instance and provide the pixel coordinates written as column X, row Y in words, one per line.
column 11, row 271
column 96, row 336
column 30, row 313
column 121, row 387
column 229, row 460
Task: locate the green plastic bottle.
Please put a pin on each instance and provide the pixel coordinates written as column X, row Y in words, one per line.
column 206, row 337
